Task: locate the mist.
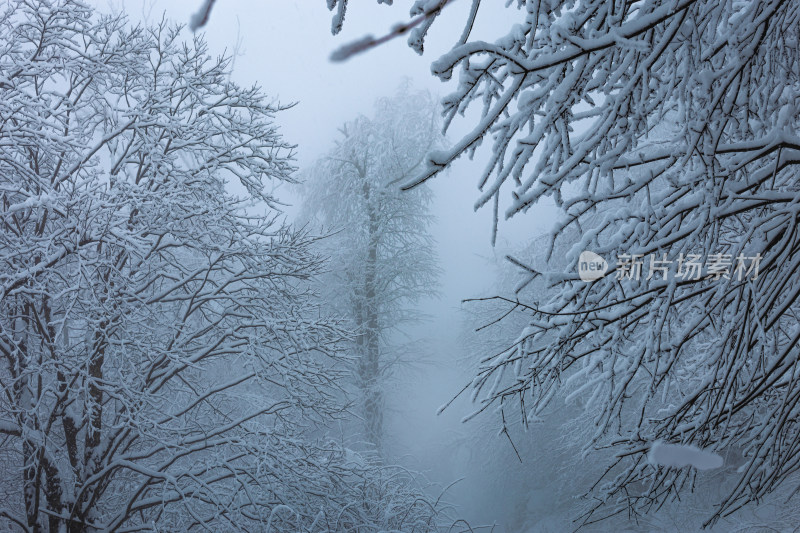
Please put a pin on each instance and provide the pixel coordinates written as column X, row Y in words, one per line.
column 505, row 391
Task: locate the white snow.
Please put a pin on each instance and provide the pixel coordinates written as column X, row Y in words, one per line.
column 680, row 455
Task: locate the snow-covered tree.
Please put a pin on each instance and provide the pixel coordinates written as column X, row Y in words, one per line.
column 165, row 364
column 382, row 257
column 537, row 474
column 664, row 131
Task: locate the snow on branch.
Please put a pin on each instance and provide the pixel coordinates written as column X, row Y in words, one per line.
column 681, row 455
column 424, row 13
column 665, row 134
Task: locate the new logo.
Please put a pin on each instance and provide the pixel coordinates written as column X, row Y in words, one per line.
column 591, row 266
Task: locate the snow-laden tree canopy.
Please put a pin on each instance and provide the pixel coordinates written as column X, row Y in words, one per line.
column 164, row 365
column 663, row 130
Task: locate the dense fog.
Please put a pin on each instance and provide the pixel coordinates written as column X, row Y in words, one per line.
column 447, row 265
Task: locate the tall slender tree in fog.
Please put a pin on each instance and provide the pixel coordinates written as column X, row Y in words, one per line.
column 165, row 366
column 382, row 257
column 664, row 131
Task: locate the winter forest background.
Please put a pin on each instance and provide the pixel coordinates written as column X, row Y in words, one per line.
column 277, row 267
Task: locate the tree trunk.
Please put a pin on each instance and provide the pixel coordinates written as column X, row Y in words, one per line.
column 373, row 397
column 369, row 364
